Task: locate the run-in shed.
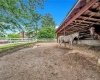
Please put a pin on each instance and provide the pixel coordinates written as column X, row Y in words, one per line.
column 84, row 14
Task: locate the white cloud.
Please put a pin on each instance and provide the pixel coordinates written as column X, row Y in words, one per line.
column 57, row 27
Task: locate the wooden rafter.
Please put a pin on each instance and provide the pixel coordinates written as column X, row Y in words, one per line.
column 76, row 30
column 83, row 17
column 88, row 22
column 95, row 6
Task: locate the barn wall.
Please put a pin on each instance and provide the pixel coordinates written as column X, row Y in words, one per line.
column 90, row 42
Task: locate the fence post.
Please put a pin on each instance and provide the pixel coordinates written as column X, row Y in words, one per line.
column 10, row 42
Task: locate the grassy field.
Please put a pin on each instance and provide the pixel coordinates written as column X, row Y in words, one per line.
column 14, row 47
column 13, row 44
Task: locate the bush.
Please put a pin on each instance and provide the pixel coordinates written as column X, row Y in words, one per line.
column 47, row 32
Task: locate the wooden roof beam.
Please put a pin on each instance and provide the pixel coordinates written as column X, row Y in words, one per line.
column 98, row 8
column 83, row 21
column 90, row 13
column 95, row 5
column 92, row 16
column 80, row 23
column 81, row 28
column 89, row 18
column 74, row 29
column 75, row 26
column 93, row 10
column 89, row 22
column 71, row 32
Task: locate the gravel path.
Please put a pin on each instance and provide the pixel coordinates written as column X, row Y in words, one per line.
column 47, row 61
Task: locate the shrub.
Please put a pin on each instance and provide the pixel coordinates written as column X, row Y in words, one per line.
column 47, row 32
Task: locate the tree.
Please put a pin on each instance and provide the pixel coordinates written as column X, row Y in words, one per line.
column 46, row 32
column 14, row 36
column 33, row 26
column 18, row 13
column 47, row 20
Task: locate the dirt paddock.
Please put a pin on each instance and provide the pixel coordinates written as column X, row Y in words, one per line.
column 47, row 61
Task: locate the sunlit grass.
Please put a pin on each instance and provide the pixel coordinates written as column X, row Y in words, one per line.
column 13, row 44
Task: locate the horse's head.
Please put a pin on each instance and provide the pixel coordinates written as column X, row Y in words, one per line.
column 76, row 34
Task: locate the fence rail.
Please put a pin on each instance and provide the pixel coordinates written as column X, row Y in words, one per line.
column 16, row 40
column 21, row 40
column 46, row 39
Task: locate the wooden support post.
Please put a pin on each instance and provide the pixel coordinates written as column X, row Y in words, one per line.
column 57, row 37
column 64, row 32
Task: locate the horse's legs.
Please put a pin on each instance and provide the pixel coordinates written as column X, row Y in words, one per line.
column 69, row 44
column 78, row 40
column 60, row 43
column 65, row 44
column 75, row 41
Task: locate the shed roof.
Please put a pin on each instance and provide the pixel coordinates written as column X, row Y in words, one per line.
column 84, row 14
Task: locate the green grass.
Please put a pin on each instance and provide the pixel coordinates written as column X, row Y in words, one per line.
column 14, row 47
column 11, row 45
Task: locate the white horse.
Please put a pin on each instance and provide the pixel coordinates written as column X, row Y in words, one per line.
column 69, row 39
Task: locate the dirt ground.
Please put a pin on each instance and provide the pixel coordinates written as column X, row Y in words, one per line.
column 47, row 61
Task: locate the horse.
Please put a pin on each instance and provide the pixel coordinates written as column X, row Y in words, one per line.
column 93, row 34
column 69, row 39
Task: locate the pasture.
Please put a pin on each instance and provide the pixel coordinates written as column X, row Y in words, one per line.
column 47, row 61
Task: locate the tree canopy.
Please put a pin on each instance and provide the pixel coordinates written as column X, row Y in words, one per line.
column 47, row 20
column 18, row 13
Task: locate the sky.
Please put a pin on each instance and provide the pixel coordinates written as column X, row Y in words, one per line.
column 58, row 9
